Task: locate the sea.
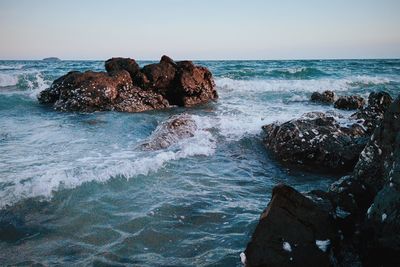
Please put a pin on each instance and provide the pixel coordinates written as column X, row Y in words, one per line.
column 84, row 193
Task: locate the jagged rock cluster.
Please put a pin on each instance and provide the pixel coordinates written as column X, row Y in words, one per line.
column 355, row 223
column 126, row 87
column 317, row 141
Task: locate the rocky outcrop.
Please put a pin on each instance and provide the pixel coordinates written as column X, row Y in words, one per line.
column 378, row 173
column 127, row 88
column 316, row 141
column 349, row 102
column 371, row 115
column 173, row 130
column 325, row 97
column 359, row 215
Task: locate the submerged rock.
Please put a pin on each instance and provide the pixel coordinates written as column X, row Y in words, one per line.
column 125, row 87
column 349, row 102
column 316, row 141
column 173, row 130
column 293, row 231
column 326, row 97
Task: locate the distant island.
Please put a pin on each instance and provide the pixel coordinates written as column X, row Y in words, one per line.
column 51, row 59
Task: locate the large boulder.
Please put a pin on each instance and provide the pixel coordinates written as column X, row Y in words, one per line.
column 161, row 75
column 316, row 141
column 194, row 85
column 99, row 91
column 182, row 83
column 171, row 131
column 88, row 91
column 325, row 97
column 349, row 102
column 119, row 63
column 126, row 87
column 292, row 231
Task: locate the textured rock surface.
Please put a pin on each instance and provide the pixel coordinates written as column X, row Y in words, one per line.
column 349, row 102
column 371, row 115
column 324, row 97
column 118, row 64
column 360, row 212
column 88, row 91
column 316, row 141
column 292, row 231
column 125, row 87
column 173, row 130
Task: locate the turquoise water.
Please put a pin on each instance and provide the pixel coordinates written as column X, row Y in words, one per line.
column 86, row 194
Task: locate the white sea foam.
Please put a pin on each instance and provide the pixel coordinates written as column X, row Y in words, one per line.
column 311, row 85
column 287, row 247
column 11, row 67
column 48, row 168
column 8, row 80
column 37, row 85
column 323, row 244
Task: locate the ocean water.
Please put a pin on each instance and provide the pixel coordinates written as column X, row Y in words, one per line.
column 87, row 195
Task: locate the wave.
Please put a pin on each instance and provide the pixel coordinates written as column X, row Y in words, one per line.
column 276, row 85
column 8, row 80
column 297, row 73
column 56, row 170
column 11, row 67
column 30, row 83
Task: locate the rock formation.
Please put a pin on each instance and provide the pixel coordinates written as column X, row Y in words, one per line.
column 325, row 97
column 316, row 141
column 127, row 88
column 349, row 102
column 355, row 223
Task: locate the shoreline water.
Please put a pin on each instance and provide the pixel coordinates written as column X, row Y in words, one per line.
column 109, row 197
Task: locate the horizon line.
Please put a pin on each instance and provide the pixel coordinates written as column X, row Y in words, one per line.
column 217, row 59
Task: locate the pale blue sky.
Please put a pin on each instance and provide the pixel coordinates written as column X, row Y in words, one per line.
column 200, row 29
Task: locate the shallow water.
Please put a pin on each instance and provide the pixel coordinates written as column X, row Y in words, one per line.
column 90, row 196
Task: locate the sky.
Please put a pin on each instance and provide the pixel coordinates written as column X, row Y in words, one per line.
column 200, row 29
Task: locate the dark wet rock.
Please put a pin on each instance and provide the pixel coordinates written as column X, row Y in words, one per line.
column 292, row 231
column 371, row 115
column 380, row 100
column 173, row 130
column 88, row 91
column 134, row 99
column 182, row 83
column 326, row 97
column 349, row 102
column 194, row 85
column 161, row 75
column 118, row 64
column 316, row 141
column 364, row 207
column 371, row 193
column 125, row 87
